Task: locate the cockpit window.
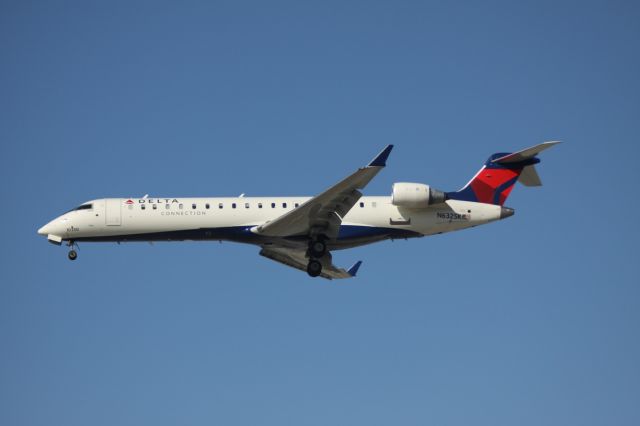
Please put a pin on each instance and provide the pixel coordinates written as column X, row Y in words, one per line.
column 82, row 207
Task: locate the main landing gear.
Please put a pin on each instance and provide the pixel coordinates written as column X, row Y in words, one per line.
column 317, row 249
column 314, row 268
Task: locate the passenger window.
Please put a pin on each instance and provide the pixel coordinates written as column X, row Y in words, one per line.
column 142, row 206
column 180, row 206
column 273, row 205
column 259, row 205
column 206, row 206
column 246, row 205
column 296, row 205
column 284, row 205
column 361, row 204
column 155, row 206
column 193, row 206
column 219, row 205
column 233, row 205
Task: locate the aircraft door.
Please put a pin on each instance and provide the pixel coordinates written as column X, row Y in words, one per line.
column 113, row 212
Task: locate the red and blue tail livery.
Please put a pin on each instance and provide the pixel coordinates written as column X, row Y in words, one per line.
column 495, row 180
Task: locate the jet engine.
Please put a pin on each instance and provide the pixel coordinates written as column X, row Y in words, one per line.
column 415, row 195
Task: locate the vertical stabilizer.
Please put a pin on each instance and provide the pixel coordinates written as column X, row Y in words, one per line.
column 495, row 180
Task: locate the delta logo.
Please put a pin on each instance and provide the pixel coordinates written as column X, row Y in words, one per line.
column 153, row 201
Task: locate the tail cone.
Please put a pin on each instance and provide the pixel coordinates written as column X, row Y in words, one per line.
column 505, row 212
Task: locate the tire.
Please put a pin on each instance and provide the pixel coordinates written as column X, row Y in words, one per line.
column 73, row 255
column 317, row 248
column 314, row 268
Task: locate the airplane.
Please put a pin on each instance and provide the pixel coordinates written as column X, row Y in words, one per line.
column 301, row 232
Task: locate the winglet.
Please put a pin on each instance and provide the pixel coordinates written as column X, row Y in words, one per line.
column 381, row 159
column 354, row 269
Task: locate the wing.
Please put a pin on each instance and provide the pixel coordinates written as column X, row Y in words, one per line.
column 323, row 213
column 296, row 258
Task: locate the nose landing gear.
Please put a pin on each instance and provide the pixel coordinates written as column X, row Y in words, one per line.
column 73, row 255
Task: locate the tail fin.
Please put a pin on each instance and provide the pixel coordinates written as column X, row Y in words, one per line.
column 495, row 180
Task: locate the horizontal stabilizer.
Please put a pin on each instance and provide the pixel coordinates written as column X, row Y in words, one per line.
column 529, row 176
column 525, row 154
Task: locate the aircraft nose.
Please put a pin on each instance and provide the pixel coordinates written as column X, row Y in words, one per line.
column 44, row 230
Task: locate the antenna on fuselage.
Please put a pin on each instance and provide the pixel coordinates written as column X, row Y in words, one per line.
column 242, row 195
column 145, row 196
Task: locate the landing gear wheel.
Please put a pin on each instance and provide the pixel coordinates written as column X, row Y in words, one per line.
column 317, row 248
column 314, row 268
column 73, row 255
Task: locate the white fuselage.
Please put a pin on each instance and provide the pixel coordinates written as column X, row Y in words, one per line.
column 176, row 219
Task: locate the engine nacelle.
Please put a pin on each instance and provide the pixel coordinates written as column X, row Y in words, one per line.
column 415, row 195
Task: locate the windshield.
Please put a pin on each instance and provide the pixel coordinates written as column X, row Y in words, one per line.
column 82, row 207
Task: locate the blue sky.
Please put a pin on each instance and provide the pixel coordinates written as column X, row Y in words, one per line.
column 533, row 320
